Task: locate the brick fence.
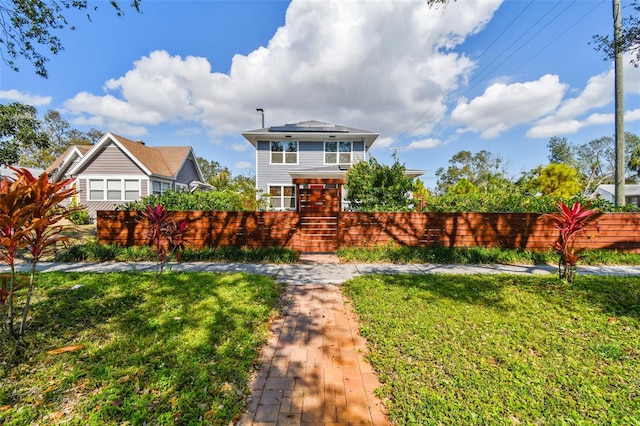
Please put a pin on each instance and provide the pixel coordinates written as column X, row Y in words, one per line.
column 530, row 231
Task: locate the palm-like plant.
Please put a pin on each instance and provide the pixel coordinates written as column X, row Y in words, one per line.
column 164, row 233
column 570, row 223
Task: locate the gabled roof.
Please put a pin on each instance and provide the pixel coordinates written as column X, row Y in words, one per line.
column 163, row 161
column 311, row 130
column 66, row 158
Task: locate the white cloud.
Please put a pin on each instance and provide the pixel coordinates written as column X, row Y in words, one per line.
column 25, row 98
column 503, row 106
column 243, row 165
column 376, row 65
column 598, row 93
column 424, row 144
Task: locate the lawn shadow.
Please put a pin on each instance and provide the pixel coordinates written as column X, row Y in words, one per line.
column 181, row 350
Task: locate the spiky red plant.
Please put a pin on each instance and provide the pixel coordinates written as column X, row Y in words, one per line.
column 570, row 223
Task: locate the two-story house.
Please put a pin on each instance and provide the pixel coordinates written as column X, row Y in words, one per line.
column 117, row 170
column 302, row 166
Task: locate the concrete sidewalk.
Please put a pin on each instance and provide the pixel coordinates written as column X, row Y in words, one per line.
column 305, row 273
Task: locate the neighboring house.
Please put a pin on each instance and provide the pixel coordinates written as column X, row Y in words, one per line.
column 5, row 171
column 608, row 192
column 117, row 170
column 303, row 166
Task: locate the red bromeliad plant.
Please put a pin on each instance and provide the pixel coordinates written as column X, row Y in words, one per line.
column 165, row 234
column 570, row 223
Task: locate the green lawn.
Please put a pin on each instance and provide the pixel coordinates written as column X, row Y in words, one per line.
column 179, row 352
column 500, row 349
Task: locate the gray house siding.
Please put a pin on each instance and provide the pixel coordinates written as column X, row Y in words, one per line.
column 310, row 155
column 105, row 160
column 188, row 173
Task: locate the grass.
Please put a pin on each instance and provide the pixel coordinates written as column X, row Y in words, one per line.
column 503, row 349
column 179, row 352
column 478, row 255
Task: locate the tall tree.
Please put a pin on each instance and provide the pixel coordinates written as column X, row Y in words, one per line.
column 560, row 151
column 214, row 173
column 630, row 36
column 372, row 186
column 27, row 28
column 560, row 180
column 61, row 136
column 19, row 128
column 483, row 169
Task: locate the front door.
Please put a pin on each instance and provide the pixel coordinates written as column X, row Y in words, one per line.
column 319, row 198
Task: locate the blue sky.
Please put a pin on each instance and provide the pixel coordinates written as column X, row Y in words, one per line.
column 503, row 76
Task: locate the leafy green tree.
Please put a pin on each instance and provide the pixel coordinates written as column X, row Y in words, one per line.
column 463, row 187
column 630, row 40
column 560, row 151
column 560, row 180
column 372, row 186
column 214, row 173
column 28, row 28
column 483, row 169
column 19, row 128
column 61, row 136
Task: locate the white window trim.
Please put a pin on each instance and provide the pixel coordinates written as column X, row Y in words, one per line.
column 337, row 163
column 282, row 197
column 284, row 163
column 104, row 180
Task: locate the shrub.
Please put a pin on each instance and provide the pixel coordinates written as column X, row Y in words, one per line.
column 570, row 222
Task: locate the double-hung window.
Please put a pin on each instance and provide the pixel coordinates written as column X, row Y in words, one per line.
column 114, row 189
column 284, row 152
column 337, row 152
column 96, row 189
column 283, row 197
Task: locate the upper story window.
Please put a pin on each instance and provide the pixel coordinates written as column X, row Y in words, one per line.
column 284, row 152
column 337, row 152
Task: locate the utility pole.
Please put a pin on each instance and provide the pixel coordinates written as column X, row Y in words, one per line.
column 619, row 102
column 395, row 154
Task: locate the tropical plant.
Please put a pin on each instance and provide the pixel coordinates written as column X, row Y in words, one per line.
column 30, row 215
column 164, row 233
column 372, row 186
column 570, row 223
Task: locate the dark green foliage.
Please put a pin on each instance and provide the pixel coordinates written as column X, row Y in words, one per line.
column 94, row 252
column 484, row 170
column 372, row 186
column 199, row 200
column 508, row 202
column 19, row 128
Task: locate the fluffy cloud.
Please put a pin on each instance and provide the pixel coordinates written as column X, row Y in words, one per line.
column 374, row 65
column 424, row 144
column 598, row 92
column 503, row 106
column 25, row 98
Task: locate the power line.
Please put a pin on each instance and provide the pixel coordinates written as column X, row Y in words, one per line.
column 404, row 137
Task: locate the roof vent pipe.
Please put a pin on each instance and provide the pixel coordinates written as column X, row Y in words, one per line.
column 261, row 111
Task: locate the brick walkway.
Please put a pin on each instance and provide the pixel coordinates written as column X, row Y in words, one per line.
column 314, row 371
